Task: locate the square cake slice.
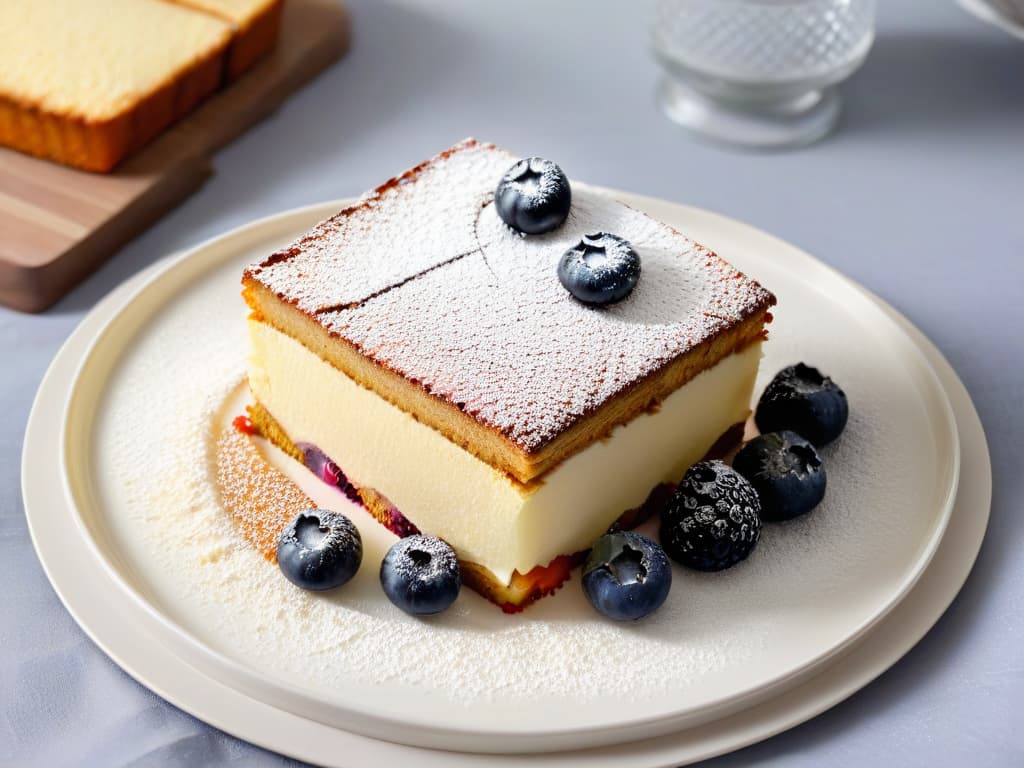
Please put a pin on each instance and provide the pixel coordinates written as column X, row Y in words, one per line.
column 432, row 354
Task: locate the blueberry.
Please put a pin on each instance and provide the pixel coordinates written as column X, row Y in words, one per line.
column 420, row 574
column 627, row 576
column 713, row 519
column 600, row 269
column 319, row 550
column 533, row 197
column 786, row 472
column 802, row 399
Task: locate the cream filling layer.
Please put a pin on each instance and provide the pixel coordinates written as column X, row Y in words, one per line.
column 446, row 491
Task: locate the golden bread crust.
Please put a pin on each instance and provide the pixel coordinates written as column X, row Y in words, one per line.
column 98, row 142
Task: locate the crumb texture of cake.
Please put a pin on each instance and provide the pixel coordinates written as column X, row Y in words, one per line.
column 87, row 60
column 422, row 294
column 240, row 12
column 255, row 24
column 86, row 83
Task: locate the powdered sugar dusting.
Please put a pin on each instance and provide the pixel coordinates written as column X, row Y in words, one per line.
column 440, row 558
column 497, row 334
column 409, row 225
column 426, row 279
column 260, row 498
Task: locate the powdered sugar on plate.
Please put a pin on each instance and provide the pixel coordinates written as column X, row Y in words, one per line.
column 153, row 442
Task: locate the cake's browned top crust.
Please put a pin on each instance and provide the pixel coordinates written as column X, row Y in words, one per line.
column 422, row 278
column 412, row 223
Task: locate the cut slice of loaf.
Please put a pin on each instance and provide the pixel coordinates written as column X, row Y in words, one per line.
column 86, row 83
column 256, row 24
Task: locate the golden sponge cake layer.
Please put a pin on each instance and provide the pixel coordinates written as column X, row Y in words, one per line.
column 420, row 294
column 239, row 12
column 255, row 23
column 94, row 60
column 85, row 83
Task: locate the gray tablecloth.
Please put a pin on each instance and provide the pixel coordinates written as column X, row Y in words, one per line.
column 918, row 196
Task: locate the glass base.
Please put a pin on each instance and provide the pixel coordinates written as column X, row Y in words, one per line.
column 792, row 123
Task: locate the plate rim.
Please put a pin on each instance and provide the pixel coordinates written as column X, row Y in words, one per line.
column 128, row 292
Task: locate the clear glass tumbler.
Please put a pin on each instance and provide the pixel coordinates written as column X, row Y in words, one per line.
column 759, row 73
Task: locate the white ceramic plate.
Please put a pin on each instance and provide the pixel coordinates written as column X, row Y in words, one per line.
column 915, row 410
column 125, row 631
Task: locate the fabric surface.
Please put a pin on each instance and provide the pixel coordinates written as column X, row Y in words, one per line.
column 916, row 196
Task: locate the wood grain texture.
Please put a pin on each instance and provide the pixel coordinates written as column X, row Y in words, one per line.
column 58, row 224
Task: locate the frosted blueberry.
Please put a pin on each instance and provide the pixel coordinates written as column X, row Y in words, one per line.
column 420, row 575
column 319, row 550
column 533, row 197
column 601, row 269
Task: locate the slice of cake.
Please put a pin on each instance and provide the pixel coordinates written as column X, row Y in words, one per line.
column 255, row 24
column 86, row 83
column 434, row 356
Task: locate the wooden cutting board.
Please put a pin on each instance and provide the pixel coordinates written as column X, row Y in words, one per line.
column 58, row 224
